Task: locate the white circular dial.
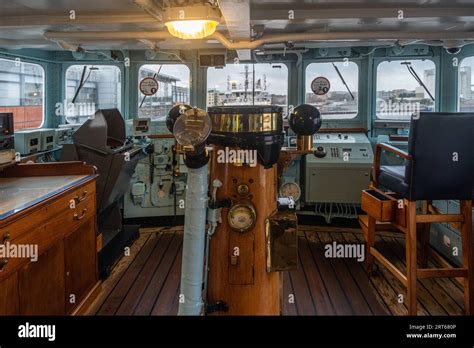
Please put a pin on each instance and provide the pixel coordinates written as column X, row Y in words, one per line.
column 242, row 217
column 290, row 189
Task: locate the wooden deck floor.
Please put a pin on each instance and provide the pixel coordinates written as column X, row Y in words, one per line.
column 147, row 281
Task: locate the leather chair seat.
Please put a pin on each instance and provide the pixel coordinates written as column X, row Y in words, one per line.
column 393, row 178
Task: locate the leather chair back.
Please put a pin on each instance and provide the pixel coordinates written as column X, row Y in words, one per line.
column 442, row 147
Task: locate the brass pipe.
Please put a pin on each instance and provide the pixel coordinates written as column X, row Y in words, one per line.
column 304, row 142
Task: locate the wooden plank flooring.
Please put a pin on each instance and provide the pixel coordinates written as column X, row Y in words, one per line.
column 146, row 281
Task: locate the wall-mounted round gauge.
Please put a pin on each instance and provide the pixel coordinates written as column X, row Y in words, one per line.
column 290, row 189
column 242, row 217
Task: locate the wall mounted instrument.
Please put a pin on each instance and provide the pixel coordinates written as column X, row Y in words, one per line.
column 28, row 141
column 47, row 139
column 7, row 143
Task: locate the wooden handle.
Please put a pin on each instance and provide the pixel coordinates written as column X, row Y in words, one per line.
column 3, row 263
column 77, row 217
column 80, row 198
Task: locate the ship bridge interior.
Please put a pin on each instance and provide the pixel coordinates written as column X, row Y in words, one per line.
column 236, row 157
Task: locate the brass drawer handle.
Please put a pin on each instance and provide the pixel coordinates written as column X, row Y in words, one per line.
column 78, row 198
column 77, row 217
column 3, row 263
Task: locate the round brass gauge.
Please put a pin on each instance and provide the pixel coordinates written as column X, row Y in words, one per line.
column 242, row 189
column 242, row 217
column 290, row 189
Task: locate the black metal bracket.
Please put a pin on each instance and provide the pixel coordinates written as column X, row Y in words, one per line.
column 223, row 203
column 219, row 306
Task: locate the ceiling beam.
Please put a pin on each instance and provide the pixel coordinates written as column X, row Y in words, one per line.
column 151, row 7
column 261, row 13
column 237, row 18
column 102, row 18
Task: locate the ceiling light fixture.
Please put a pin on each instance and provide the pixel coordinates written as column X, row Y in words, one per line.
column 192, row 22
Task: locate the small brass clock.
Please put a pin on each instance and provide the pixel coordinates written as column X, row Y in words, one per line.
column 242, row 217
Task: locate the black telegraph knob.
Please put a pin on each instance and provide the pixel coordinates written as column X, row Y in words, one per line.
column 320, row 152
column 305, row 120
column 174, row 113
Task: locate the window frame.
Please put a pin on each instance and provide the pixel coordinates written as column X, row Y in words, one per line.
column 121, row 68
column 357, row 119
column 136, row 106
column 43, row 68
column 376, row 63
column 288, row 80
column 458, row 71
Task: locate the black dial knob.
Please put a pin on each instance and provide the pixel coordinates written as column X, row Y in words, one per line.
column 305, row 120
column 174, row 113
column 320, row 152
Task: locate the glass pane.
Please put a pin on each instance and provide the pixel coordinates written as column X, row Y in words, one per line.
column 466, row 97
column 22, row 92
column 248, row 84
column 173, row 88
column 400, row 91
column 101, row 88
column 337, row 103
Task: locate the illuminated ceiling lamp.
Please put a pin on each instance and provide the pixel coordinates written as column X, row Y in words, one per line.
column 192, row 22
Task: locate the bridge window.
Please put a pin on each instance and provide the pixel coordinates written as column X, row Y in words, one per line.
column 248, row 84
column 22, row 92
column 465, row 93
column 89, row 88
column 173, row 83
column 333, row 88
column 405, row 87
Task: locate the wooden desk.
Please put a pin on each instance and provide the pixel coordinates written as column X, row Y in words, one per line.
column 48, row 217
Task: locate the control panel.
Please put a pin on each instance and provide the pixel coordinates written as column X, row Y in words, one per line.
column 339, row 169
column 47, row 139
column 342, row 147
column 157, row 187
column 28, row 141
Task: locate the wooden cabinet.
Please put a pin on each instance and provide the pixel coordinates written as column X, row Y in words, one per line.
column 41, row 284
column 58, row 218
column 9, row 299
column 80, row 263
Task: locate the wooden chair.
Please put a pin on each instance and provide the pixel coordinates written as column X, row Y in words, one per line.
column 439, row 165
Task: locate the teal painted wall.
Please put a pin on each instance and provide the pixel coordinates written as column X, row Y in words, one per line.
column 55, row 64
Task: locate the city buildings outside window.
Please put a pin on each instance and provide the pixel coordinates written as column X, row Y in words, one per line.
column 89, row 88
column 22, row 92
column 465, row 94
column 173, row 88
column 341, row 100
column 248, row 84
column 404, row 88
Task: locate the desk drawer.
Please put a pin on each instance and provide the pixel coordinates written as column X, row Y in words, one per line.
column 379, row 206
column 36, row 218
column 49, row 232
